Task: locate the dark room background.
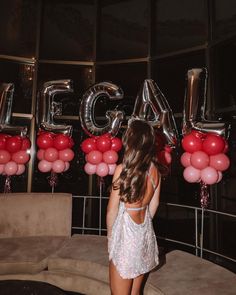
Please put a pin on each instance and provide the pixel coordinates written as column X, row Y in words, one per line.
column 127, row 41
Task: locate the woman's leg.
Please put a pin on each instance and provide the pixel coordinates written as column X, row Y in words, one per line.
column 137, row 285
column 118, row 285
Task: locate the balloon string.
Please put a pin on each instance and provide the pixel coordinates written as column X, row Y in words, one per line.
column 53, row 180
column 204, row 195
column 7, row 185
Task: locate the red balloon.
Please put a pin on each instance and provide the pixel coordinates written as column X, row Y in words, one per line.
column 160, row 141
column 94, row 157
column 26, row 144
column 3, row 140
column 116, row 144
column 88, row 145
column 51, row 154
column 61, row 142
column 191, row 143
column 66, row 155
column 40, row 154
column 213, row 144
column 198, row 134
column 5, row 156
column 185, row 159
column 226, row 148
column 110, row 157
column 71, row 142
column 220, row 162
column 199, row 160
column 14, row 144
column 103, row 143
column 45, row 141
column 164, row 157
column 20, row 157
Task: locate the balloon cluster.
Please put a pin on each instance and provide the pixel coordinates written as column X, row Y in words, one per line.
column 204, row 158
column 13, row 154
column 54, row 153
column 101, row 154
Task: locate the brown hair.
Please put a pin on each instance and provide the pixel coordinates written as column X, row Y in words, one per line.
column 139, row 153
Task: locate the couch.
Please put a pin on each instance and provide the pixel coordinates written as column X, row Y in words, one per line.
column 36, row 244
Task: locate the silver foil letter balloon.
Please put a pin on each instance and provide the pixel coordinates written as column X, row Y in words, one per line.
column 194, row 111
column 151, row 97
column 48, row 107
column 6, row 98
column 87, row 116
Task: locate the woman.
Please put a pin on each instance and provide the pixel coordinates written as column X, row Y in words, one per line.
column 132, row 204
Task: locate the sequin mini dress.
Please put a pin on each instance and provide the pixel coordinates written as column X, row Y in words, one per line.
column 133, row 247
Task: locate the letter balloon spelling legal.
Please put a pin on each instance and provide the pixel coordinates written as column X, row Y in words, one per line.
column 54, row 141
column 14, row 145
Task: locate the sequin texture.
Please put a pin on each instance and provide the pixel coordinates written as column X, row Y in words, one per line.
column 133, row 247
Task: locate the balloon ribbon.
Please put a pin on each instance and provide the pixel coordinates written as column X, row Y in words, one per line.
column 53, row 180
column 204, row 195
column 7, row 185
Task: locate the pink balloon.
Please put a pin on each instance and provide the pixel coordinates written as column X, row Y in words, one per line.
column 220, row 176
column 209, row 175
column 102, row 169
column 2, row 168
column 220, row 162
column 20, row 169
column 199, row 160
column 192, row 174
column 44, row 166
column 110, row 157
column 67, row 166
column 94, row 157
column 10, row 168
column 111, row 168
column 66, row 155
column 40, row 154
column 21, row 157
column 168, row 157
column 185, row 159
column 51, row 154
column 58, row 166
column 5, row 156
column 90, row 168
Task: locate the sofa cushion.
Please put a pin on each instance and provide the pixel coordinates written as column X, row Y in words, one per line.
column 35, row 214
column 184, row 273
column 28, row 254
column 83, row 254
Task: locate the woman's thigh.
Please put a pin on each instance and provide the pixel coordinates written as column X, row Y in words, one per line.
column 119, row 286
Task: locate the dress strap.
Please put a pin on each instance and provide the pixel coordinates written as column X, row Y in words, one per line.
column 135, row 208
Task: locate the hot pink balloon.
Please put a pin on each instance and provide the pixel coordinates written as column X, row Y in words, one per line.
column 67, row 166
column 5, row 156
column 90, row 168
column 220, row 162
column 192, row 174
column 199, row 160
column 209, row 175
column 94, row 157
column 110, row 157
column 58, row 166
column 111, row 168
column 10, row 168
column 66, row 155
column 44, row 166
column 51, row 154
column 220, row 176
column 2, row 168
column 20, row 169
column 102, row 169
column 185, row 159
column 40, row 154
column 21, row 157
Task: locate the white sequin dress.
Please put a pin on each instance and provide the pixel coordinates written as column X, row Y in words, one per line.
column 133, row 247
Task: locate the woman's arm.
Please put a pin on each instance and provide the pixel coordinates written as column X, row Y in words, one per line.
column 113, row 204
column 154, row 203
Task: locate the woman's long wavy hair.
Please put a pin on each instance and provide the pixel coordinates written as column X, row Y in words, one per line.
column 139, row 152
